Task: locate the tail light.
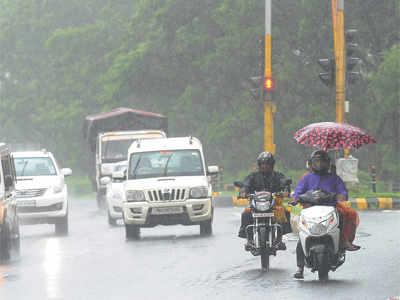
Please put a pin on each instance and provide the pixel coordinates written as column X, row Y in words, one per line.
column 2, row 213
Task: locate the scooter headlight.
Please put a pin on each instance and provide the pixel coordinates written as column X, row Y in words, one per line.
column 318, row 229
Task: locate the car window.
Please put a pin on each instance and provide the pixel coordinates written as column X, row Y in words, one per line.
column 165, row 163
column 34, row 166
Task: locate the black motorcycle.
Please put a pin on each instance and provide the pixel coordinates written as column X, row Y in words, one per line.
column 264, row 232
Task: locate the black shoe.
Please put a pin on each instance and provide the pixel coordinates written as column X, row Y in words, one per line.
column 298, row 275
column 281, row 246
column 248, row 246
column 242, row 233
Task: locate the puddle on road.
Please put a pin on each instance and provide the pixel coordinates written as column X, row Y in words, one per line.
column 244, row 275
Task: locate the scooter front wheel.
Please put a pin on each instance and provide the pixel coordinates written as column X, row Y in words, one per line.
column 323, row 267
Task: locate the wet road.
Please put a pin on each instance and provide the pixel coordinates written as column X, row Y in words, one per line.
column 95, row 262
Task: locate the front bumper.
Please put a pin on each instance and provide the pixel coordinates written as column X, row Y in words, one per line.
column 115, row 208
column 193, row 212
column 44, row 209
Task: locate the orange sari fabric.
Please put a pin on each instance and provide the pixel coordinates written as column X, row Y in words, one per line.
column 351, row 220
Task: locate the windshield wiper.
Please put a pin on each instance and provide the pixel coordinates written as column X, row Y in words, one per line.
column 166, row 164
column 134, row 169
column 23, row 169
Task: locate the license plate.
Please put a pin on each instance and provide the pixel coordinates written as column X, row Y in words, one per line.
column 262, row 215
column 167, row 210
column 25, row 203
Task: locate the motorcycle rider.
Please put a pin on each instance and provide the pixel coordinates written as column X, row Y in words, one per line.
column 320, row 178
column 264, row 179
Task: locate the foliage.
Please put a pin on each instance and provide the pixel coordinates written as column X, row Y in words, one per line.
column 191, row 60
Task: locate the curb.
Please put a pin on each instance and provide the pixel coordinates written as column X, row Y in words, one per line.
column 356, row 203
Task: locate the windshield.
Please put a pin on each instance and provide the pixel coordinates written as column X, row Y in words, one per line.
column 165, row 163
column 115, row 150
column 34, row 166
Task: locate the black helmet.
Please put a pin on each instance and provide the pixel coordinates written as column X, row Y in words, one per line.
column 320, row 162
column 266, row 158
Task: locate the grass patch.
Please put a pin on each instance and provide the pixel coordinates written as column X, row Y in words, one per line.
column 79, row 185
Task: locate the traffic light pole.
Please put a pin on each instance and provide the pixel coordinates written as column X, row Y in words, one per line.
column 268, row 105
column 338, row 33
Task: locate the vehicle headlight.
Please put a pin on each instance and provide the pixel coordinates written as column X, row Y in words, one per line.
column 57, row 189
column 263, row 206
column 106, row 170
column 318, row 229
column 117, row 196
column 135, row 196
column 199, row 192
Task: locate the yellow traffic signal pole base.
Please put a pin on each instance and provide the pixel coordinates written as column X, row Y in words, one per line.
column 269, row 145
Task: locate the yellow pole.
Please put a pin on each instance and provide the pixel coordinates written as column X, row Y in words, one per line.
column 340, row 59
column 340, row 62
column 268, row 106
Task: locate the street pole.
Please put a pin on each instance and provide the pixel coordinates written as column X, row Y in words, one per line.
column 340, row 60
column 269, row 145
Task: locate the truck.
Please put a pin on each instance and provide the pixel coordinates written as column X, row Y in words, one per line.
column 109, row 135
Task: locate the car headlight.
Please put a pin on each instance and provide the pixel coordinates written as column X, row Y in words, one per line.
column 117, row 196
column 135, row 196
column 263, row 206
column 106, row 169
column 199, row 192
column 57, row 189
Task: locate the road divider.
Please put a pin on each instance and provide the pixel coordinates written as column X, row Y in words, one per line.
column 356, row 203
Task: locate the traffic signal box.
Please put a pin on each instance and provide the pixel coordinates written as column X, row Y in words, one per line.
column 351, row 61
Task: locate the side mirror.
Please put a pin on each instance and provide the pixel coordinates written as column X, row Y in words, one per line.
column 238, row 184
column 119, row 175
column 66, row 172
column 105, row 180
column 211, row 170
column 8, row 181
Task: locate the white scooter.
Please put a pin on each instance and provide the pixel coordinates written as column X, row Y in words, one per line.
column 319, row 233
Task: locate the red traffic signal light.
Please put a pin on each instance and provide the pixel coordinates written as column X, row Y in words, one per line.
column 269, row 84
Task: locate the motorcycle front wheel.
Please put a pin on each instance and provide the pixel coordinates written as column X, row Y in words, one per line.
column 263, row 250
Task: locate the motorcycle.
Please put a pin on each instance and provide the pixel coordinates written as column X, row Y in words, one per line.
column 319, row 233
column 264, row 232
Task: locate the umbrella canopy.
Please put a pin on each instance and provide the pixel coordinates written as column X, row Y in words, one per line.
column 333, row 136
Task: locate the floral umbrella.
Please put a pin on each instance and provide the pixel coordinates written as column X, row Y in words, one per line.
column 333, row 136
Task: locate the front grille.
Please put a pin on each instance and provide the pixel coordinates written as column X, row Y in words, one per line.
column 31, row 193
column 31, row 209
column 166, row 195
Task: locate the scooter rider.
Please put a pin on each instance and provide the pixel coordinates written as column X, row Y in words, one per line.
column 320, row 178
column 264, row 179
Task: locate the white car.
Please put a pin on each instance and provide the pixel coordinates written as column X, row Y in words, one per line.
column 115, row 193
column 167, row 184
column 42, row 195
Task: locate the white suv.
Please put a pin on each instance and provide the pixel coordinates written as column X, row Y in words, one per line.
column 114, row 193
column 167, row 183
column 42, row 196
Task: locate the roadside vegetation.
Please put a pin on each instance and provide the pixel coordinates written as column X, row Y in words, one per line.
column 191, row 61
